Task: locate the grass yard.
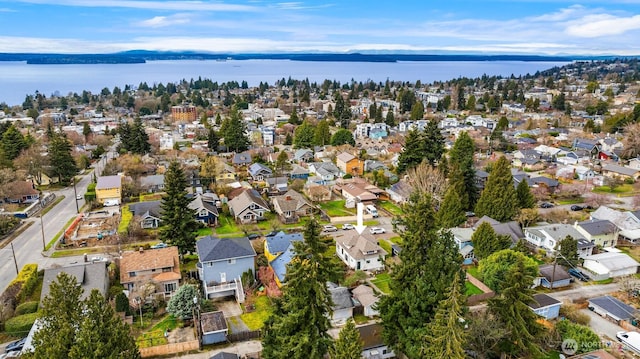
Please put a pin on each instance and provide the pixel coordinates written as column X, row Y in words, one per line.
column 396, row 240
column 360, row 319
column 155, row 336
column 125, row 219
column 391, row 207
column 473, row 271
column 625, row 188
column 570, row 201
column 337, row 209
column 206, row 231
column 227, row 225
column 382, row 282
column 471, row 289
column 263, row 309
column 386, row 245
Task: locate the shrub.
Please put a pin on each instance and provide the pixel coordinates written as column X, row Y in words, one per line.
column 20, row 325
column 27, row 307
column 122, row 303
column 28, row 278
column 573, row 313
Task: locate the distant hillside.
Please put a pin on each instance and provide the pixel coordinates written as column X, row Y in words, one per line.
column 141, row 56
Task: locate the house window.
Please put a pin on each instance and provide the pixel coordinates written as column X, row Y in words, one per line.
column 169, row 287
column 166, row 269
column 132, row 274
column 153, row 270
column 203, row 213
column 605, row 243
column 209, row 264
column 231, row 261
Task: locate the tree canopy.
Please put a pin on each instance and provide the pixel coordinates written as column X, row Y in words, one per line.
column 181, row 303
column 342, row 137
column 178, row 220
column 462, row 171
column 420, row 145
column 233, row 131
column 499, row 200
column 486, row 241
column 495, row 268
column 348, row 345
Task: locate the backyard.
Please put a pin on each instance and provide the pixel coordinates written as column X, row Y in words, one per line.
column 337, row 209
column 382, row 282
column 391, row 208
column 262, row 309
column 156, row 335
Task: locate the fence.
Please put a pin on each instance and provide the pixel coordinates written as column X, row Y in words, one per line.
column 243, row 336
column 169, row 349
column 477, row 298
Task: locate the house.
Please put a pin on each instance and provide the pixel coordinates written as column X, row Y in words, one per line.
column 298, row 172
column 90, row 276
column 213, row 328
column 109, row 189
column 627, row 223
column 20, row 192
column 373, row 346
column 553, row 276
column 204, row 206
column 358, row 190
column 291, row 206
column 277, row 185
column 363, row 295
column 241, row 159
column 462, row 237
column 226, row 174
column 601, row 232
column 248, row 207
column 350, row 164
column 221, row 263
column 548, row 236
column 278, row 249
column 545, row 306
column 612, row 309
column 161, row 267
column 360, row 253
column 303, row 155
column 152, row 184
column 609, row 265
column 400, row 191
column 342, row 308
column 590, row 146
column 326, row 172
column 616, row 171
column 259, row 172
column 149, row 213
column 511, row 228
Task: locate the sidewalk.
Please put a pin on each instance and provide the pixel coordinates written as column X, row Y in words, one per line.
column 240, row 348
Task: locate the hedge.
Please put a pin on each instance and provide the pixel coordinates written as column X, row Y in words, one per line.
column 28, row 278
column 19, row 326
column 27, row 308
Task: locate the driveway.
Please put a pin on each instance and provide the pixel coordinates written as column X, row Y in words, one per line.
column 602, row 326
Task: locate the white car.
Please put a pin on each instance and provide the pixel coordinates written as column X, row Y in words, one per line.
column 329, row 228
column 347, row 226
column 79, row 197
column 376, row 230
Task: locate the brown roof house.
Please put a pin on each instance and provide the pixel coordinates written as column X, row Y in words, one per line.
column 20, row 192
column 291, row 206
column 157, row 269
column 350, row 164
column 248, row 207
column 214, row 328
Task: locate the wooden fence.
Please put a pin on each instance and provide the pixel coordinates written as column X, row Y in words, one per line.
column 243, row 336
column 169, row 349
column 487, row 292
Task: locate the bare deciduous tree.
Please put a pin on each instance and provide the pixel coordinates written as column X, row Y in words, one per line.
column 428, row 179
column 631, row 140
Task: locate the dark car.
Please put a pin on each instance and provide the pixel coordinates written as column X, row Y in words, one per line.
column 575, row 207
column 15, row 346
column 578, row 274
column 253, row 236
column 546, row 205
column 271, row 234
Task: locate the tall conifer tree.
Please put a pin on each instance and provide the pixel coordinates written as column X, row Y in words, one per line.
column 178, row 220
column 499, row 200
column 348, row 345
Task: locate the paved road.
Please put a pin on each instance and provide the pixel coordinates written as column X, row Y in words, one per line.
column 585, row 292
column 602, row 326
column 28, row 245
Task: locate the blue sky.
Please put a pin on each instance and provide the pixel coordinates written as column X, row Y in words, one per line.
column 545, row 27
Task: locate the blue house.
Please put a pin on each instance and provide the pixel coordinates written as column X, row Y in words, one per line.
column 259, row 172
column 279, row 251
column 553, row 278
column 222, row 261
column 213, row 328
column 205, row 208
column 298, row 172
column 545, row 306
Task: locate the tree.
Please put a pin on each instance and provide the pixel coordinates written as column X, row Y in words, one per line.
column 417, row 111
column 389, row 118
column 293, row 118
column 233, row 131
column 524, row 195
column 462, row 171
column 213, row 140
column 568, row 247
column 62, row 164
column 428, row 179
column 12, row 143
column 451, row 213
column 303, row 135
column 495, row 268
column 486, row 241
column 428, row 265
column 422, row 145
column 447, row 337
column 484, row 334
column 86, row 131
column 321, row 134
column 210, row 168
column 581, row 334
column 348, row 345
column 71, row 328
column 181, row 303
column 499, row 200
column 282, row 163
column 342, row 137
column 178, row 220
column 298, row 327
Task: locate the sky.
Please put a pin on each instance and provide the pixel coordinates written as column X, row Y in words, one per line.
column 542, row 27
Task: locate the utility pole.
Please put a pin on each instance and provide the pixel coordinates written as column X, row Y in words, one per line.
column 75, row 194
column 44, row 245
column 14, row 259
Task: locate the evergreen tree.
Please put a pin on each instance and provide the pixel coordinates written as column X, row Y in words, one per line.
column 568, row 247
column 499, row 200
column 451, row 213
column 321, row 134
column 524, row 195
column 412, row 154
column 233, row 131
column 417, row 111
column 348, row 345
column 342, row 137
column 303, row 136
column 486, row 241
column 390, row 119
column 495, row 268
column 139, row 140
column 213, row 140
column 293, row 118
column 178, row 220
column 12, row 143
column 446, row 337
column 434, row 143
column 288, row 140
column 298, row 327
column 462, row 170
column 181, row 303
column 62, row 164
column 86, row 131
column 428, row 265
column 378, row 117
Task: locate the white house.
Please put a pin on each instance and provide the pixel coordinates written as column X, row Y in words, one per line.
column 360, row 253
column 609, row 265
column 367, row 299
column 548, row 236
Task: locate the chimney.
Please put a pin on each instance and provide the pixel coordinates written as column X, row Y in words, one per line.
column 288, row 198
column 141, row 249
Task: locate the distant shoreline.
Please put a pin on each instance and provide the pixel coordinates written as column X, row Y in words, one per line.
column 135, row 57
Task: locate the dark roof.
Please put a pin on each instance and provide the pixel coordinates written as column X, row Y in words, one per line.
column 598, row 227
column 214, row 249
column 225, row 355
column 340, row 296
column 542, row 300
column 280, row 242
column 89, row 276
column 213, row 322
column 614, row 306
column 583, row 243
column 141, row 208
column 371, row 336
column 548, row 272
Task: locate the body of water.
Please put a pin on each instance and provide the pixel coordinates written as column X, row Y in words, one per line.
column 17, row 79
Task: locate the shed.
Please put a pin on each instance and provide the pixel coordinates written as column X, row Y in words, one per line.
column 612, row 308
column 545, row 306
column 214, row 327
column 609, row 265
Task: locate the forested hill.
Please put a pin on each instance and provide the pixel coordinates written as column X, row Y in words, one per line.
column 143, row 56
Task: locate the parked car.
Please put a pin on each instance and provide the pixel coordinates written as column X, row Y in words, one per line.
column 376, row 230
column 330, row 228
column 159, row 245
column 271, row 234
column 17, row 345
column 578, row 274
column 347, row 226
column 79, row 197
column 546, row 205
column 253, row 236
column 576, row 207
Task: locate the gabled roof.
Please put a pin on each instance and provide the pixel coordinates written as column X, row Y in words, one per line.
column 340, row 297
column 106, row 182
column 613, row 261
column 213, row 322
column 142, row 209
column 241, row 158
column 257, row 168
column 553, row 274
column 359, row 247
column 211, row 249
column 364, row 295
column 614, row 306
column 542, row 300
column 620, row 169
column 89, row 276
column 596, row 227
column 280, row 242
column 557, row 231
column 245, row 199
column 279, row 264
column 200, row 201
column 290, row 201
column 345, row 157
column 135, row 261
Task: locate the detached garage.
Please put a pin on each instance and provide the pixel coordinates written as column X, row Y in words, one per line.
column 612, row 309
column 609, row 265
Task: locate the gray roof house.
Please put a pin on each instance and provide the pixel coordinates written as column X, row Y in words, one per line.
column 248, row 207
column 153, row 183
column 511, row 228
column 400, row 191
column 365, row 297
column 548, row 236
column 148, row 212
column 553, row 278
column 342, row 303
column 599, row 231
column 291, row 206
column 89, row 276
column 221, row 263
column 241, row 159
column 259, row 172
column 303, row 155
column 360, row 253
column 612, row 308
column 205, row 208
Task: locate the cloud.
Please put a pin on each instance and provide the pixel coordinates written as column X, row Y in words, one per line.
column 150, row 5
column 4, row 9
column 164, row 21
column 603, row 25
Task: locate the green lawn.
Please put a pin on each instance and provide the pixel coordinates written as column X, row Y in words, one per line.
column 386, row 245
column 206, row 231
column 396, row 240
column 382, row 282
column 570, row 201
column 337, row 209
column 625, row 188
column 263, row 309
column 125, row 219
column 473, row 271
column 391, row 207
column 471, row 289
column 227, row 225
column 155, row 336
